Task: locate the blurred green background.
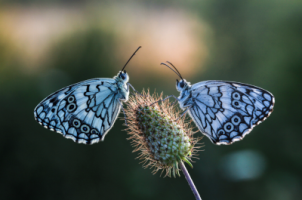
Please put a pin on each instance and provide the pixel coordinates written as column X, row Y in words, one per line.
column 46, row 45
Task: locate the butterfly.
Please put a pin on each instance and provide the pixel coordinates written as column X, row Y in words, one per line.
column 223, row 111
column 85, row 111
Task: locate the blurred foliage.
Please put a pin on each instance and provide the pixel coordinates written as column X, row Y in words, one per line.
column 256, row 42
column 85, row 53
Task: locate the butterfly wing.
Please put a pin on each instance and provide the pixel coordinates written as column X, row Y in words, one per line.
column 83, row 112
column 226, row 111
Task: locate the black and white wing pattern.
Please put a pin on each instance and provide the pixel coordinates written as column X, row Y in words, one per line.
column 226, row 111
column 83, row 112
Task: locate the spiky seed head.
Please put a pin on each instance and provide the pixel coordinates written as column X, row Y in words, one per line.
column 154, row 131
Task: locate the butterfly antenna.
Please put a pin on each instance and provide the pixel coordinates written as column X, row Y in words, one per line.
column 131, row 57
column 171, row 69
column 175, row 69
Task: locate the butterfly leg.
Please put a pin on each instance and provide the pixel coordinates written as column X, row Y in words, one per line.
column 173, row 103
column 124, row 113
column 182, row 114
column 166, row 99
column 133, row 89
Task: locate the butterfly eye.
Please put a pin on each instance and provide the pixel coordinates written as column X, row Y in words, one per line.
column 122, row 76
column 182, row 84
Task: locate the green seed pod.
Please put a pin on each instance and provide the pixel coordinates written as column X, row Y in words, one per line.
column 154, row 131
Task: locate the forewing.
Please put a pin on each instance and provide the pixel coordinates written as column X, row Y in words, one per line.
column 226, row 111
column 84, row 112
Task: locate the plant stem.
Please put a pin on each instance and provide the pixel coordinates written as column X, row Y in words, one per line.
column 190, row 181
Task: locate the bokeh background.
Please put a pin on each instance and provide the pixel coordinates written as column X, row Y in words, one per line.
column 46, row 45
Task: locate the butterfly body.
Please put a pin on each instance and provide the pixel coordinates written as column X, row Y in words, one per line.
column 85, row 111
column 224, row 111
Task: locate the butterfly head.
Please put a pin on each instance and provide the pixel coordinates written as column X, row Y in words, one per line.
column 182, row 85
column 122, row 76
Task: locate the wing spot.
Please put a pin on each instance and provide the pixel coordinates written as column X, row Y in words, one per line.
column 71, row 107
column 221, row 132
column 76, row 123
column 228, row 127
column 236, row 104
column 236, row 120
column 93, row 131
column 236, row 95
column 71, row 99
column 85, row 128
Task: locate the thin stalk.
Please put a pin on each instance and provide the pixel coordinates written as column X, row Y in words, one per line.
column 190, row 181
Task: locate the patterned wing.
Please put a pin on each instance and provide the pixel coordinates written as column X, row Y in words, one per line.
column 83, row 112
column 226, row 111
